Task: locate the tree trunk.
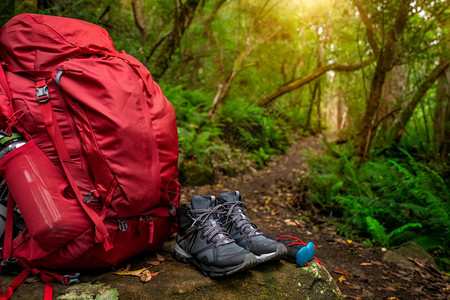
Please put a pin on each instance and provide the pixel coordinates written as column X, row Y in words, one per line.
column 311, row 105
column 442, row 116
column 224, row 87
column 394, row 90
column 385, row 55
column 319, row 112
column 139, row 20
column 341, row 112
column 400, row 124
column 238, row 64
column 365, row 135
column 183, row 18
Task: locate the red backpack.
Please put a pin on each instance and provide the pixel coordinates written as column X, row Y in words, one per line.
column 97, row 180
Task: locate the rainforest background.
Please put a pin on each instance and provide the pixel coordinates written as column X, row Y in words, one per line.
column 248, row 77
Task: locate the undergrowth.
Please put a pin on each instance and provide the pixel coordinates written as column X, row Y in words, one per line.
column 388, row 200
column 206, row 145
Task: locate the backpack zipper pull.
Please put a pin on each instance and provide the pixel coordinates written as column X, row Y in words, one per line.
column 122, row 224
column 151, row 229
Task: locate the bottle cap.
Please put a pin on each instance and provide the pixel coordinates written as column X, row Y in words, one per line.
column 5, row 139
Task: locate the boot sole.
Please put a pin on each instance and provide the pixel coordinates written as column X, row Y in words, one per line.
column 211, row 271
column 279, row 253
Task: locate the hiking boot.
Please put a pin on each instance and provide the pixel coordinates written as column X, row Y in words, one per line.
column 244, row 232
column 202, row 241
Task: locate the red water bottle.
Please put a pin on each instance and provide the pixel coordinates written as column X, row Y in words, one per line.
column 40, row 193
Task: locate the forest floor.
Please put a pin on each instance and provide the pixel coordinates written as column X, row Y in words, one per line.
column 360, row 271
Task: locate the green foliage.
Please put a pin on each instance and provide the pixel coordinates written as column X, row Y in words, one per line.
column 197, row 136
column 203, row 141
column 254, row 130
column 389, row 200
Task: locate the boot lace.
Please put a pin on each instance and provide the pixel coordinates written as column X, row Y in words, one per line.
column 237, row 216
column 211, row 226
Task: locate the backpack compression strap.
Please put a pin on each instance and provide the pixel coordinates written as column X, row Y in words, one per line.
column 101, row 233
column 4, row 83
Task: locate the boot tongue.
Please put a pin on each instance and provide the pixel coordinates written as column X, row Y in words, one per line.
column 202, row 202
column 230, row 197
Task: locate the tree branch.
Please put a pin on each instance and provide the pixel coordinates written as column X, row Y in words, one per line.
column 370, row 30
column 407, row 112
column 299, row 82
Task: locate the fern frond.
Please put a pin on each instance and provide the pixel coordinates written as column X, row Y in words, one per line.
column 376, row 229
column 401, row 229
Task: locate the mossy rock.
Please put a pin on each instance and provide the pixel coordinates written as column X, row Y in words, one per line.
column 191, row 173
column 404, row 255
column 273, row 280
column 88, row 291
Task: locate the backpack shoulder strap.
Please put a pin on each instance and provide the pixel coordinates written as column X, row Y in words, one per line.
column 101, row 233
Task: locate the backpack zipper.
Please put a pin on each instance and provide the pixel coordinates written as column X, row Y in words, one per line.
column 151, row 229
column 122, row 224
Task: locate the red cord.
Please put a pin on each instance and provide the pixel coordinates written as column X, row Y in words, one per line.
column 299, row 242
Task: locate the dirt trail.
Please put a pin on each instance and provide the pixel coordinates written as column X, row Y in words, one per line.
column 359, row 270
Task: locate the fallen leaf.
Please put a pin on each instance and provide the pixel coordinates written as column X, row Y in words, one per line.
column 32, row 279
column 353, row 287
column 155, row 273
column 153, row 262
column 126, row 269
column 145, row 276
column 349, row 241
column 387, row 289
column 376, row 262
column 289, row 222
column 342, row 278
column 419, row 289
column 132, row 273
column 160, row 258
column 365, row 264
column 343, row 272
column 384, row 277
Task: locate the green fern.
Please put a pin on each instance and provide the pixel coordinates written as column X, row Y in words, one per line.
column 377, row 230
column 390, row 200
column 401, row 229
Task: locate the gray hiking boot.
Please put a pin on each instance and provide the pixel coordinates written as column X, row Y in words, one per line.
column 202, row 241
column 244, row 232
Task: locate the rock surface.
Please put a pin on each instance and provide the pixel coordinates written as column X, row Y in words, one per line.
column 273, row 280
column 406, row 254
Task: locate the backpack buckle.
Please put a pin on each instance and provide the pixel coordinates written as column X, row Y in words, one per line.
column 42, row 94
column 88, row 197
column 8, row 261
column 70, row 279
